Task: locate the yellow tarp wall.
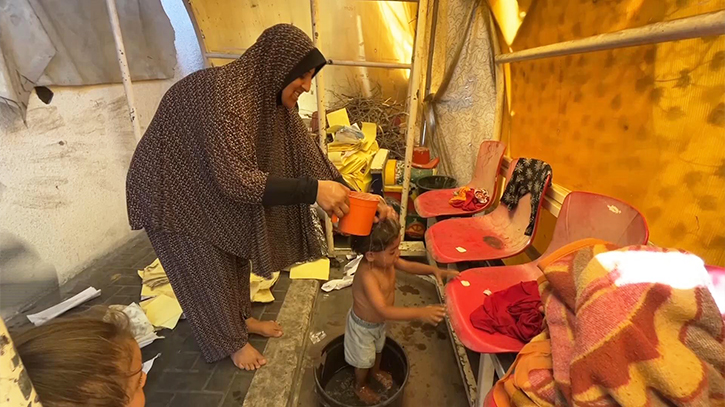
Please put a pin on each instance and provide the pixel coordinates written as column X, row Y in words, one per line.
column 349, row 30
column 643, row 124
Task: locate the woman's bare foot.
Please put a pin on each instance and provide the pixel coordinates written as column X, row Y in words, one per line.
column 268, row 329
column 248, row 358
column 384, row 378
column 367, row 395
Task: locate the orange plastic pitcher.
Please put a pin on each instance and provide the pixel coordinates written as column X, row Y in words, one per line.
column 359, row 221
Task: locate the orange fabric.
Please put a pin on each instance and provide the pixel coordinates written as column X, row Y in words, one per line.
column 636, row 326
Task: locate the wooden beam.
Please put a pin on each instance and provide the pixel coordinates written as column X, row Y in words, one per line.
column 123, row 65
column 369, row 64
column 419, row 57
column 199, row 35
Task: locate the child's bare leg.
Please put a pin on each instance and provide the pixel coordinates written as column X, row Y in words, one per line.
column 366, row 394
column 381, row 376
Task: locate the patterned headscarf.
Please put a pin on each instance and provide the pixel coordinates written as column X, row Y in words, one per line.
column 202, row 166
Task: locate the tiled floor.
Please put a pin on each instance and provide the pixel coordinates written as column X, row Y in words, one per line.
column 179, row 377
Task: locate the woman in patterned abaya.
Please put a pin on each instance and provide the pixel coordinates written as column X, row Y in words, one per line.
column 223, row 180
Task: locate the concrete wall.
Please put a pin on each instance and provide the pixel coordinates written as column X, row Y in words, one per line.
column 62, row 177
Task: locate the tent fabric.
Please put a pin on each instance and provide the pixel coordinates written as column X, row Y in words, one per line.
column 379, row 31
column 70, row 43
column 642, row 124
column 464, row 110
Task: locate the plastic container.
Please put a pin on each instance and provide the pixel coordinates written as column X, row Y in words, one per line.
column 333, row 362
column 359, row 221
column 421, row 155
column 433, row 182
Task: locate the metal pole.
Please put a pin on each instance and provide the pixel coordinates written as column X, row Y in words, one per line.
column 369, row 64
column 498, row 77
column 123, row 64
column 429, row 73
column 703, row 25
column 431, row 48
column 321, row 122
column 197, row 30
column 419, row 53
column 222, row 55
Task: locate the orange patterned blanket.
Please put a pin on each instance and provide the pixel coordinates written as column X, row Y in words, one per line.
column 636, row 326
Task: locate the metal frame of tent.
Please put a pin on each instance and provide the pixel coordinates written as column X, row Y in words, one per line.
column 704, row 25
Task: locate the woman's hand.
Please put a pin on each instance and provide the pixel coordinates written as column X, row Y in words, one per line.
column 385, row 211
column 333, row 198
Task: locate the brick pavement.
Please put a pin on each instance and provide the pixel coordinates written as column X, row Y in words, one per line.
column 179, row 377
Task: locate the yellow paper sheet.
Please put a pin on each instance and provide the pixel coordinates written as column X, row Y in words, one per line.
column 154, row 271
column 338, row 146
column 369, row 143
column 264, row 296
column 163, row 311
column 148, row 292
column 314, row 270
column 337, row 119
column 259, row 287
column 336, row 158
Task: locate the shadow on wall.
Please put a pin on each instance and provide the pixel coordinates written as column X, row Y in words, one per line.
column 24, row 276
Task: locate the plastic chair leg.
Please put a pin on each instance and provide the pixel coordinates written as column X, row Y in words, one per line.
column 486, row 369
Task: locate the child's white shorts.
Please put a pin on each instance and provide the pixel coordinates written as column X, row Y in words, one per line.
column 363, row 340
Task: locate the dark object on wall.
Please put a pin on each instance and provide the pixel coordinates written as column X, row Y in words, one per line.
column 44, row 94
column 70, row 43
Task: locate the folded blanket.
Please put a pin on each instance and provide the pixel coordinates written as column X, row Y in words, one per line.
column 470, row 199
column 512, row 312
column 633, row 327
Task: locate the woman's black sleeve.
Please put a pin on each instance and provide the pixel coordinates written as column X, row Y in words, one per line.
column 289, row 191
column 292, row 191
column 342, row 181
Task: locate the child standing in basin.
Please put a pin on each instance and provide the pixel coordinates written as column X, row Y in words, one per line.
column 373, row 291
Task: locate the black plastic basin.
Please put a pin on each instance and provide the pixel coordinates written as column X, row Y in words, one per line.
column 333, row 362
column 433, row 182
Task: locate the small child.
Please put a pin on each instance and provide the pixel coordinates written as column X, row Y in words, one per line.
column 89, row 360
column 373, row 291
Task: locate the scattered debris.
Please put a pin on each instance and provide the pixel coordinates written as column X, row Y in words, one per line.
column 141, row 328
column 155, row 282
column 487, row 292
column 389, row 116
column 337, row 284
column 461, row 250
column 352, row 149
column 163, row 311
column 42, row 317
column 260, row 289
column 465, row 283
column 346, row 281
column 316, row 337
column 351, row 267
column 147, row 365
